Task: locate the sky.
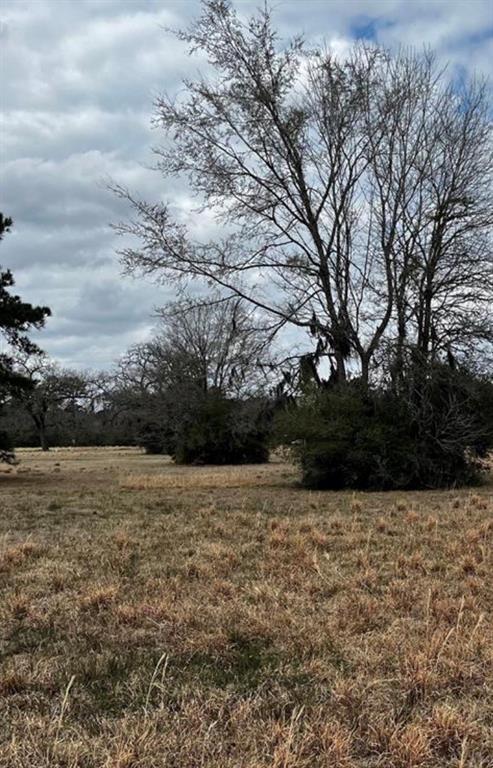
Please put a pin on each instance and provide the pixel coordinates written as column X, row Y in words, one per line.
column 78, row 81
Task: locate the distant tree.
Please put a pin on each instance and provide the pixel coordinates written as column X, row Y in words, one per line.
column 231, row 354
column 52, row 392
column 187, row 388
column 17, row 318
column 150, row 379
column 83, row 413
column 215, row 345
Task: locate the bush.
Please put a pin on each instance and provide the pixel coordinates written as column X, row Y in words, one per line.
column 430, row 432
column 207, row 428
column 219, row 430
column 152, row 438
column 6, row 450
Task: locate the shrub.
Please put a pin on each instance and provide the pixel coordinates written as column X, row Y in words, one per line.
column 219, row 430
column 6, row 450
column 429, row 432
column 152, row 438
column 207, row 428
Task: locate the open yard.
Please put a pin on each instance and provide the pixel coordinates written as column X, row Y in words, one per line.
column 164, row 617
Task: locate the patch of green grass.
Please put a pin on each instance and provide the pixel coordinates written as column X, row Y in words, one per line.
column 244, row 666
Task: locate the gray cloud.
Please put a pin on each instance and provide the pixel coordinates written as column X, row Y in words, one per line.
column 78, row 83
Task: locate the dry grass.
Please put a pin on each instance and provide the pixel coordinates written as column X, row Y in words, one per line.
column 203, row 618
column 202, row 477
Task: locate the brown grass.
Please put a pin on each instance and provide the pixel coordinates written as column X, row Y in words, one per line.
column 202, row 477
column 203, row 617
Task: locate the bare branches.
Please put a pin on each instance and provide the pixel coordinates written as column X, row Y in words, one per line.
column 354, row 195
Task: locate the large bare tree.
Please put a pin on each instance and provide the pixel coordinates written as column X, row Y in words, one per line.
column 354, row 193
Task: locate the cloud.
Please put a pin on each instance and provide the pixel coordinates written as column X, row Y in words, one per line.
column 78, row 83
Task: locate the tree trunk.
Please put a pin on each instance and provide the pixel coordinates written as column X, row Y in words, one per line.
column 424, row 334
column 365, row 370
column 43, row 438
column 340, row 369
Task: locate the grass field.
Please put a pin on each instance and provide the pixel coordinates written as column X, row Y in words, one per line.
column 162, row 617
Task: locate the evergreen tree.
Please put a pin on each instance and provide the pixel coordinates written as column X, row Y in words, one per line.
column 17, row 318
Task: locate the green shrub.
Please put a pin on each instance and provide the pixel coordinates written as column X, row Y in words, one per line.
column 152, row 438
column 430, row 432
column 207, row 428
column 219, row 430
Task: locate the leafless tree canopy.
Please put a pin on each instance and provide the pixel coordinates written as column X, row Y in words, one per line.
column 214, row 345
column 231, row 353
column 354, row 194
column 52, row 388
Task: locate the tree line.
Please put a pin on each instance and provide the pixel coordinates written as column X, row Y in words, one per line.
column 201, row 390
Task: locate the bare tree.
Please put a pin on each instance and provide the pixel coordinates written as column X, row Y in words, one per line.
column 222, row 340
column 53, row 389
column 353, row 193
column 212, row 345
column 452, row 284
column 202, row 353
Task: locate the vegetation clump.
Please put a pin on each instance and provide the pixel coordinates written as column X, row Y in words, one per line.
column 432, row 429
